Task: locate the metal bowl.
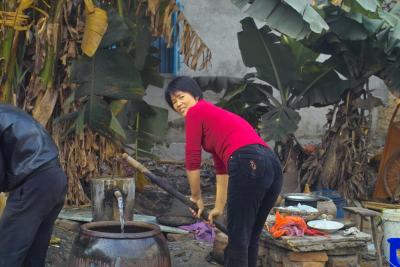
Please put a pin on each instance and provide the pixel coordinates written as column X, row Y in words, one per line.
column 293, row 199
column 306, row 215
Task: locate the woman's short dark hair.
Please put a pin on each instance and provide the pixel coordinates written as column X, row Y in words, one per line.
column 184, row 84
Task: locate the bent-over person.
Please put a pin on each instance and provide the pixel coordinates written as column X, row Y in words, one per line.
column 31, row 173
column 248, row 173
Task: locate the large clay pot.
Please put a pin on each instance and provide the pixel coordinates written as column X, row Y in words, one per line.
column 103, row 244
column 327, row 206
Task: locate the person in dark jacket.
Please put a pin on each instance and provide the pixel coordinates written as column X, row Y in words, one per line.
column 30, row 171
column 248, row 173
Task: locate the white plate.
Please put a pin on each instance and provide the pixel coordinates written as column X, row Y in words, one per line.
column 325, row 225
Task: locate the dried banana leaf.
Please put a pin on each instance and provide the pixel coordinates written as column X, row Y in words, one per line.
column 95, row 28
column 195, row 52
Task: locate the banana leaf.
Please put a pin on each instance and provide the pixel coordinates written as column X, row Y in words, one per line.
column 110, row 73
column 156, row 125
column 365, row 7
column 347, row 28
column 295, row 18
column 261, row 48
column 100, row 80
column 301, row 53
column 369, row 5
column 150, row 73
column 117, row 30
column 248, row 100
column 318, row 85
column 143, row 41
column 292, row 69
column 278, row 122
column 218, row 83
column 389, row 36
column 97, row 114
column 143, row 124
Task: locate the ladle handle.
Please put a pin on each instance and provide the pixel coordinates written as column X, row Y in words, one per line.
column 134, row 163
column 170, row 189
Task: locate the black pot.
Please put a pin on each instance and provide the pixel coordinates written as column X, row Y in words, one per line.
column 103, row 244
column 302, row 198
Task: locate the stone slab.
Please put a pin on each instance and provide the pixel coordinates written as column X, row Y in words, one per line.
column 288, row 263
column 308, row 256
column 343, row 261
column 318, row 243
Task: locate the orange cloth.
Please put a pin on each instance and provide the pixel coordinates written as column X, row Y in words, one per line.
column 282, row 224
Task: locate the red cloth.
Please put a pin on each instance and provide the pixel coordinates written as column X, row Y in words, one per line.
column 219, row 132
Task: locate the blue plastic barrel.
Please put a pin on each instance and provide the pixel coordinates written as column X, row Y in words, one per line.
column 339, row 201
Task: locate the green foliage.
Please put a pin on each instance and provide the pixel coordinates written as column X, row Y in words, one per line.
column 121, row 69
column 303, row 18
column 102, row 75
column 292, row 70
column 279, row 122
column 359, row 38
column 261, row 49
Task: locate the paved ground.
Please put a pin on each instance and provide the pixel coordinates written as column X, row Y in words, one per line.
column 185, row 251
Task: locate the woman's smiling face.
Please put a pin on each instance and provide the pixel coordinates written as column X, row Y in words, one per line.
column 182, row 102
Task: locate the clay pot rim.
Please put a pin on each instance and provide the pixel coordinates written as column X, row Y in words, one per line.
column 153, row 230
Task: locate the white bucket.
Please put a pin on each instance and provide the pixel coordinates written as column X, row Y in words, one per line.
column 391, row 228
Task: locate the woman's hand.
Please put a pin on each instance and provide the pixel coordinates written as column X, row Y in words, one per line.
column 213, row 214
column 200, row 205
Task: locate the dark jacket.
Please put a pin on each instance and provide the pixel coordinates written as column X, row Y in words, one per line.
column 2, row 172
column 25, row 146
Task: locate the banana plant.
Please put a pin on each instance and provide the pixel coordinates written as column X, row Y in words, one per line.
column 303, row 17
column 43, row 84
column 11, row 24
column 363, row 41
column 116, row 72
column 293, row 74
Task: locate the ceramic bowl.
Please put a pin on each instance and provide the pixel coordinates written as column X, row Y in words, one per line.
column 326, row 225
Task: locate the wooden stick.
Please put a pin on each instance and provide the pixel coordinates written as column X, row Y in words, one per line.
column 170, row 189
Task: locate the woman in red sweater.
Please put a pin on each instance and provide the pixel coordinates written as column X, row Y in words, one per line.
column 248, row 173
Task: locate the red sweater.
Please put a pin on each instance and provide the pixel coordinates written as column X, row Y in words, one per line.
column 219, row 132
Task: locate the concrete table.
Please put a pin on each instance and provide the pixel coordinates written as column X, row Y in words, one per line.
column 313, row 251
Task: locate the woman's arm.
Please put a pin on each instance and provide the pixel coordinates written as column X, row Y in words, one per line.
column 194, row 182
column 221, row 196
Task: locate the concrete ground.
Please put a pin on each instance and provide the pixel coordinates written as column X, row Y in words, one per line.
column 184, row 250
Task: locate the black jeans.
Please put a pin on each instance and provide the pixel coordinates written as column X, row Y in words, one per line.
column 28, row 219
column 255, row 181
